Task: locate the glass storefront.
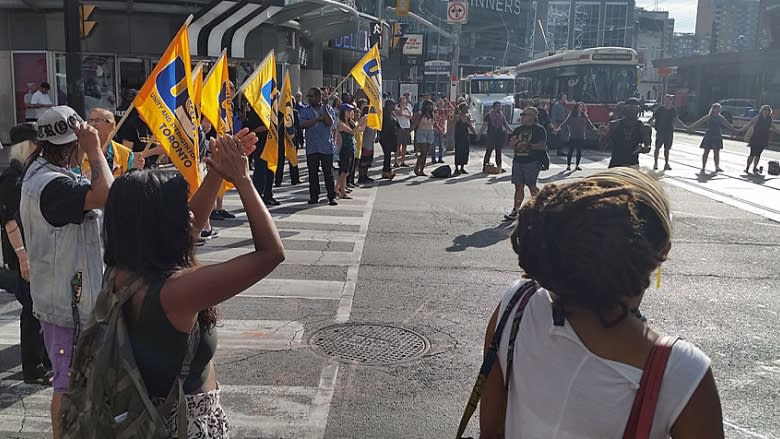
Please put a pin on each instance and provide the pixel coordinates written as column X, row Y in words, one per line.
column 29, row 70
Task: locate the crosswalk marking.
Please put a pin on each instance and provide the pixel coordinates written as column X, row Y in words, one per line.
column 266, row 335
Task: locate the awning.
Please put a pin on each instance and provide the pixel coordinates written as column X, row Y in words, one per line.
column 225, row 23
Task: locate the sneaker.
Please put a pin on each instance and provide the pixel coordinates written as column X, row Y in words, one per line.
column 271, row 202
column 667, row 167
column 568, row 168
column 578, row 168
column 456, row 173
column 333, row 203
column 209, row 234
column 225, row 214
column 200, row 242
column 718, row 170
column 313, row 201
column 216, row 215
column 511, row 215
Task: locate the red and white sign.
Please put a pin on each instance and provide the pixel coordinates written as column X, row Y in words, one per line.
column 413, row 45
column 457, row 12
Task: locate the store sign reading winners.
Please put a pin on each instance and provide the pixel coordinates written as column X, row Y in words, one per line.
column 513, row 7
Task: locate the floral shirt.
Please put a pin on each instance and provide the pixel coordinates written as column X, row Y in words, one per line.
column 440, row 116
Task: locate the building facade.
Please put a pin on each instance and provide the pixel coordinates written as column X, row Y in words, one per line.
column 730, row 25
column 654, row 31
column 578, row 24
column 130, row 37
column 689, row 44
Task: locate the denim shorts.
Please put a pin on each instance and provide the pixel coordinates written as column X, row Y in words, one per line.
column 59, row 345
column 424, row 136
column 525, row 173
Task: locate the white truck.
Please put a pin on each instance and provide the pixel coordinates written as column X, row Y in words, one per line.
column 482, row 90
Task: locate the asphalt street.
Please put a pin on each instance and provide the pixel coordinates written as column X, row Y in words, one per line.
column 373, row 326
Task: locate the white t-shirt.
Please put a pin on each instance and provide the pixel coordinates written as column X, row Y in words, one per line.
column 29, row 113
column 39, row 98
column 405, row 121
column 561, row 390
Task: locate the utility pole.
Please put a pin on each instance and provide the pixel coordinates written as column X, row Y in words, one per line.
column 73, row 60
column 455, row 64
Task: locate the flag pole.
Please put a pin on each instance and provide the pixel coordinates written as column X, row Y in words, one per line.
column 335, row 89
column 132, row 103
column 255, row 73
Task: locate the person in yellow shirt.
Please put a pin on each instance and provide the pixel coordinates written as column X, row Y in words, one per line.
column 120, row 158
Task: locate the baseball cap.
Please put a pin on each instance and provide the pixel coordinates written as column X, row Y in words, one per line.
column 57, row 125
column 346, row 107
column 22, row 132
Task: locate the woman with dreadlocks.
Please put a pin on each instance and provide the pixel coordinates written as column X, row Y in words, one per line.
column 576, row 361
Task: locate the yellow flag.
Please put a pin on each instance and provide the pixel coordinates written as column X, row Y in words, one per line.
column 262, row 94
column 197, row 88
column 286, row 103
column 217, row 100
column 165, row 104
column 368, row 73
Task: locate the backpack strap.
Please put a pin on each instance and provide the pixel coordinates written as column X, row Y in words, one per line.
column 640, row 421
column 522, row 295
column 176, row 396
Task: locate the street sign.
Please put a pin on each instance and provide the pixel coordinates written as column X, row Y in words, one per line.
column 413, row 45
column 457, row 12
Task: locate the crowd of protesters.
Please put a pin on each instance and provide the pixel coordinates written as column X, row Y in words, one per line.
column 71, row 195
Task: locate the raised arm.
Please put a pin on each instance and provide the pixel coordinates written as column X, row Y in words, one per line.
column 343, row 127
column 194, row 289
column 727, row 124
column 101, row 178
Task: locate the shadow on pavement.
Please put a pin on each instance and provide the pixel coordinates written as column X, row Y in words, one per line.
column 482, row 238
column 561, row 175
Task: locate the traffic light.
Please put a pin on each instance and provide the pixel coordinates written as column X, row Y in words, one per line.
column 87, row 25
column 396, row 33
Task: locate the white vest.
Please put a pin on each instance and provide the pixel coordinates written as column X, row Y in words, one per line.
column 58, row 254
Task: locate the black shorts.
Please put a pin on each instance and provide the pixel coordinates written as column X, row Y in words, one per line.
column 346, row 157
column 756, row 150
column 664, row 138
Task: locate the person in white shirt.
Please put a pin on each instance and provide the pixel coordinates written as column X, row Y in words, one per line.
column 582, row 344
column 403, row 114
column 30, row 114
column 41, row 101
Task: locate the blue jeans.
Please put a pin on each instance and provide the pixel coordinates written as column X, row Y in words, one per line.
column 438, row 144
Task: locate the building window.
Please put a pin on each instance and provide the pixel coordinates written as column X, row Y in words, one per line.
column 558, row 25
column 615, row 24
column 586, row 25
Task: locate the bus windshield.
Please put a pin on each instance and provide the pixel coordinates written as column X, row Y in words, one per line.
column 492, row 86
column 607, row 84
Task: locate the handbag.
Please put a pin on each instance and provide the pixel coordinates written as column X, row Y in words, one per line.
column 523, row 296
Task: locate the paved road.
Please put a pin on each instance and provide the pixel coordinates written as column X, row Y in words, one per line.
column 432, row 257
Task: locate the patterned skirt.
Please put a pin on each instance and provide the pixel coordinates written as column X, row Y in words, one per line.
column 205, row 417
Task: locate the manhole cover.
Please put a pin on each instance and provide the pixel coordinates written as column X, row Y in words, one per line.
column 369, row 344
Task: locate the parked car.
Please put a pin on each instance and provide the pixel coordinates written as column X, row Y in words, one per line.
column 731, row 108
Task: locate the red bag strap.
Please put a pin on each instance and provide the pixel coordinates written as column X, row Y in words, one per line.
column 642, row 411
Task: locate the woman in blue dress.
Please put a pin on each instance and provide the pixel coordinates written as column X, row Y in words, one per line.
column 713, row 137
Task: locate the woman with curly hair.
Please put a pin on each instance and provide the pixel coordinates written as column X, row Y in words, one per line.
column 573, row 369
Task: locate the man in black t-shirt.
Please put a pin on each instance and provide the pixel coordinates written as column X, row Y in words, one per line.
column 529, row 142
column 626, row 135
column 262, row 177
column 665, row 118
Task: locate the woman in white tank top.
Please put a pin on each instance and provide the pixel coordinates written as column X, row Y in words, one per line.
column 582, row 342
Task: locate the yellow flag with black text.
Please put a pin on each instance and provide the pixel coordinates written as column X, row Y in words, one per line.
column 165, row 104
column 217, row 99
column 262, row 94
column 286, row 104
column 368, row 74
column 197, row 89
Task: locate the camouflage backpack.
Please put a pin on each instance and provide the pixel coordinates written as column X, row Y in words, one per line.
column 107, row 396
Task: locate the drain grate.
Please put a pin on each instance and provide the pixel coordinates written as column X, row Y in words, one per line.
column 369, row 344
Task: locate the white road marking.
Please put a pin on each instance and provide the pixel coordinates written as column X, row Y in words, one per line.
column 295, row 289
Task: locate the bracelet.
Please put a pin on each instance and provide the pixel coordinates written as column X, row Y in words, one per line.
column 17, row 249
